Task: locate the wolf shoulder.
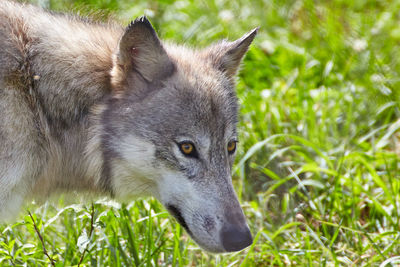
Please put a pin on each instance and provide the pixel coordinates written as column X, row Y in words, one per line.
column 68, row 58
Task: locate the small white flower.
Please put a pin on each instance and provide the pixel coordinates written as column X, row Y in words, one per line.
column 149, row 13
column 377, row 78
column 226, row 15
column 83, row 241
column 359, row 45
column 268, row 46
column 266, row 93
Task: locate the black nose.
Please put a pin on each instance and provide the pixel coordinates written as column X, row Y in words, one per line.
column 235, row 238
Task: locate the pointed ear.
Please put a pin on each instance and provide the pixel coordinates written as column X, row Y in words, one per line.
column 141, row 50
column 226, row 56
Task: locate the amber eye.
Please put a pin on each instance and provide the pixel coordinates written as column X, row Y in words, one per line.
column 231, row 147
column 188, row 149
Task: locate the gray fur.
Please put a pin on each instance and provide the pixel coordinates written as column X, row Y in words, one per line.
column 98, row 108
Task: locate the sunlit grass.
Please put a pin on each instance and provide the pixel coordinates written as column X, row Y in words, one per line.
column 318, row 163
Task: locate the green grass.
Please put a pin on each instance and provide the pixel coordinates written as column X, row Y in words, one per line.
column 318, row 165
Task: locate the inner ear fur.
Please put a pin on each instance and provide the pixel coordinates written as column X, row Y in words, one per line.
column 141, row 51
column 226, row 56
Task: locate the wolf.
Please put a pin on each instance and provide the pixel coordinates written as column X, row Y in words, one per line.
column 110, row 110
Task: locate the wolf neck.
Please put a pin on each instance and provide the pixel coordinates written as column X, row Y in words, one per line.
column 71, row 68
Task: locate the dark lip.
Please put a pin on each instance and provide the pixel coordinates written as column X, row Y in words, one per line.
column 178, row 216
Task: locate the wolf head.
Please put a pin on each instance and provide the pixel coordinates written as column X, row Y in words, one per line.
column 170, row 131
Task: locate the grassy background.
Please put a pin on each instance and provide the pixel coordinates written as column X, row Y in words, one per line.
column 318, row 165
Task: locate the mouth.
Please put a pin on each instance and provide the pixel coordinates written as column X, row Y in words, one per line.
column 178, row 216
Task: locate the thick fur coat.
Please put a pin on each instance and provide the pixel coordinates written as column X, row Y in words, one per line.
column 94, row 107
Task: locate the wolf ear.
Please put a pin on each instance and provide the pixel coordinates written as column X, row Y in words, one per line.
column 141, row 50
column 226, row 56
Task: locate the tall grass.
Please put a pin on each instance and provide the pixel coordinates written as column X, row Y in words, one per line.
column 319, row 157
